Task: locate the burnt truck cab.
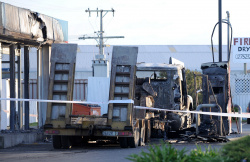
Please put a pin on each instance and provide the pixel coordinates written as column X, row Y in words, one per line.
column 160, row 85
column 216, row 90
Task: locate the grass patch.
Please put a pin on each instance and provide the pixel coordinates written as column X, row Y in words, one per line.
column 33, row 124
column 237, row 150
column 197, row 155
column 243, row 120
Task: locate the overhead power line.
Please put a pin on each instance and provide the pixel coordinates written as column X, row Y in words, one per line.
column 100, row 36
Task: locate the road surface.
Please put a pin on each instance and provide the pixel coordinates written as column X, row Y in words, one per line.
column 43, row 151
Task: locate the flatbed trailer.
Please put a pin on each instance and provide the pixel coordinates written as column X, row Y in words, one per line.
column 123, row 123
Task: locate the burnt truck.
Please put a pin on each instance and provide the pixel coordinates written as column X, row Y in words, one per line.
column 164, row 86
column 139, row 92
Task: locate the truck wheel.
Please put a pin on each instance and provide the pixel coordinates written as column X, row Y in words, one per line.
column 66, row 143
column 134, row 141
column 76, row 140
column 57, row 142
column 123, row 142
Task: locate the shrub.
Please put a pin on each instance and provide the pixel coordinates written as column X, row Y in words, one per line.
column 158, row 153
column 197, row 155
column 167, row 153
column 237, row 150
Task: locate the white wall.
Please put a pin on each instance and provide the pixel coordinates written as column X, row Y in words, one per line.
column 98, row 91
column 5, row 105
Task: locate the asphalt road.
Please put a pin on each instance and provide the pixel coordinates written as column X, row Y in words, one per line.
column 43, row 151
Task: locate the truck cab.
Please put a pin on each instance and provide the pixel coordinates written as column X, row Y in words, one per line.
column 163, row 86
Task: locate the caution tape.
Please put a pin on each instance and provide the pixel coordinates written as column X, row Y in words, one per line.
column 121, row 101
column 64, row 101
column 243, row 115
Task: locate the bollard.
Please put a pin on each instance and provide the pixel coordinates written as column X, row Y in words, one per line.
column 240, row 112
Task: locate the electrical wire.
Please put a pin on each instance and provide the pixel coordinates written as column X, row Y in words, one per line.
column 230, row 39
column 91, row 24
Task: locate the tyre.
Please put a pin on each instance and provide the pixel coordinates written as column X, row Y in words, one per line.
column 123, row 142
column 248, row 120
column 76, row 140
column 57, row 142
column 66, row 143
column 133, row 142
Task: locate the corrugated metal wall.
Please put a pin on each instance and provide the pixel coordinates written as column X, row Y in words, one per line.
column 21, row 23
column 240, row 88
column 80, row 90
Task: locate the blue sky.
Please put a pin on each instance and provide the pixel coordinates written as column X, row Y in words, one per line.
column 146, row 22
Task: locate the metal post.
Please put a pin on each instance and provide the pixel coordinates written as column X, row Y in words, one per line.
column 240, row 112
column 100, row 36
column 26, row 85
column 12, row 88
column 228, row 44
column 0, row 83
column 240, row 118
column 100, row 65
column 195, row 90
column 45, row 65
column 220, row 32
column 245, row 68
column 101, row 51
column 20, row 108
column 39, row 85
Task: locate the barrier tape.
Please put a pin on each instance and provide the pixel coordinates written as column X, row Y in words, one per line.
column 64, row 101
column 243, row 115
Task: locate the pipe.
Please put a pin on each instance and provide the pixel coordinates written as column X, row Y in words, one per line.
column 26, row 86
column 12, row 88
column 207, row 106
column 19, row 92
column 220, row 30
column 240, row 112
column 228, row 44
